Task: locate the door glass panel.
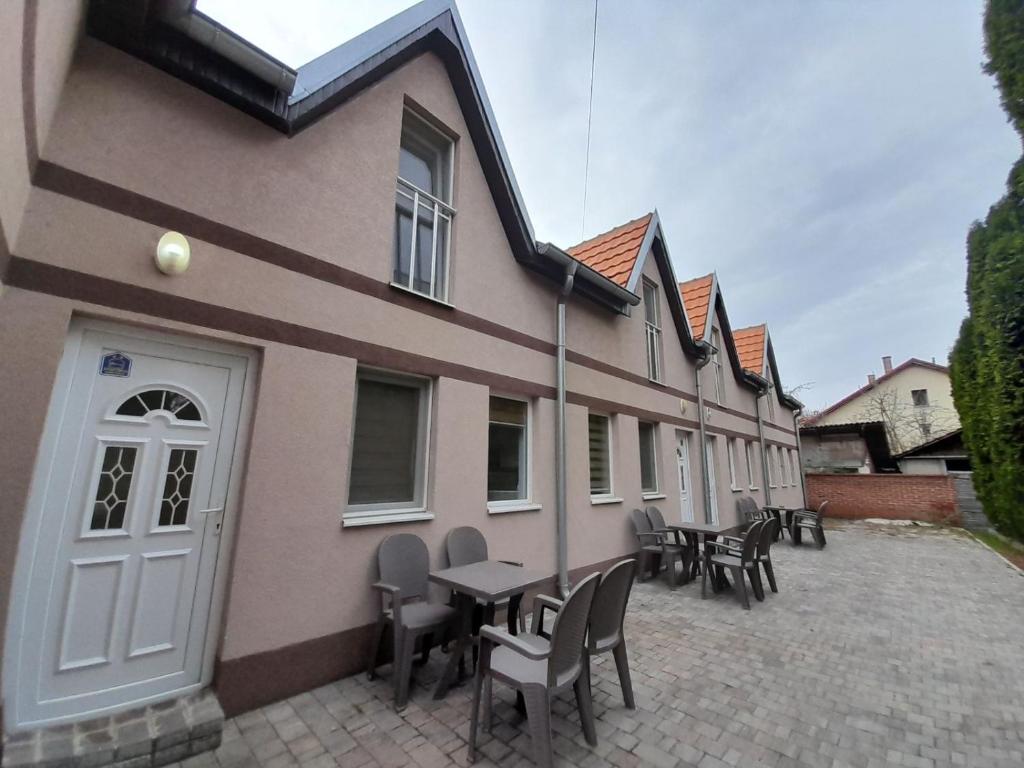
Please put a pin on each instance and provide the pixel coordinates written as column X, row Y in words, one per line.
column 151, row 400
column 181, row 469
column 111, row 502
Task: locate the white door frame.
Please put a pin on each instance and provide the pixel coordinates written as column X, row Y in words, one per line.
column 711, row 514
column 683, row 464
column 33, row 518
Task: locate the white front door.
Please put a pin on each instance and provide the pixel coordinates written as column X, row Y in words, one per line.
column 709, row 452
column 683, row 462
column 127, row 505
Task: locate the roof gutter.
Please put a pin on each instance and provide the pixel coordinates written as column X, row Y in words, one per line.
column 183, row 16
column 561, row 499
column 584, row 273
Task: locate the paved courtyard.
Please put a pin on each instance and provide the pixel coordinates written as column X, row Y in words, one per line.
column 891, row 647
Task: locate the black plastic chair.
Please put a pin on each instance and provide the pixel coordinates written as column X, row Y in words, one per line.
column 658, row 525
column 806, row 519
column 740, row 558
column 404, row 565
column 769, row 534
column 655, row 548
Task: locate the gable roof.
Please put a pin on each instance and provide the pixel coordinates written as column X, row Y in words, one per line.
column 614, row 253
column 750, row 345
column 697, row 298
column 912, row 362
column 173, row 36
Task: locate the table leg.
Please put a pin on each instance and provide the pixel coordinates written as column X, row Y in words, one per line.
column 464, row 604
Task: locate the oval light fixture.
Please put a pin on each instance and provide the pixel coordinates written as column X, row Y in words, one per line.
column 173, row 253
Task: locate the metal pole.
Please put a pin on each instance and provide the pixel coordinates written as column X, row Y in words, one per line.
column 561, row 517
column 703, row 450
column 800, row 457
column 764, row 449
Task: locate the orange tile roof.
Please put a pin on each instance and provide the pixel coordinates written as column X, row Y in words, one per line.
column 697, row 299
column 750, row 347
column 614, row 253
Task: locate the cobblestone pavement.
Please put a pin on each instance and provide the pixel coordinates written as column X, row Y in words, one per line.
column 891, row 647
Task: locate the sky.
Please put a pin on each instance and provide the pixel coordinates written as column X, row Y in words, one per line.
column 826, row 159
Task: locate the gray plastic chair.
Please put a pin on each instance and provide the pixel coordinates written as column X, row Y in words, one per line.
column 658, row 525
column 809, row 520
column 655, row 548
column 539, row 669
column 740, row 558
column 748, row 509
column 606, row 617
column 769, row 534
column 404, row 565
column 466, row 545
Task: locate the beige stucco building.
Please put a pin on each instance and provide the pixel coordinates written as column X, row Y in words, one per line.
column 914, row 401
column 198, row 467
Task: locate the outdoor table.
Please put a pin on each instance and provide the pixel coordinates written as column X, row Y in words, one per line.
column 488, row 581
column 704, row 533
column 783, row 514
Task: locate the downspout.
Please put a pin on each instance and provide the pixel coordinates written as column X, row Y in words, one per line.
column 764, row 448
column 800, row 456
column 705, row 349
column 561, row 518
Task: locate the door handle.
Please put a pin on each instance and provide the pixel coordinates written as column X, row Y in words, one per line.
column 211, row 511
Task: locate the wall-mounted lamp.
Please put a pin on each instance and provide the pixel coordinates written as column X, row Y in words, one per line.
column 172, row 253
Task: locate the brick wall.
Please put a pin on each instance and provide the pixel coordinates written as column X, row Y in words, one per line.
column 931, row 498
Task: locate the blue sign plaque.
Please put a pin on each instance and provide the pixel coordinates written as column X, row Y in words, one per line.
column 115, row 364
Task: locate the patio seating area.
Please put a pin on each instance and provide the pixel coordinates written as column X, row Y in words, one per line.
column 892, row 646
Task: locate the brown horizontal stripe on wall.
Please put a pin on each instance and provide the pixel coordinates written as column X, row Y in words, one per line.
column 92, row 191
column 610, row 406
column 69, row 284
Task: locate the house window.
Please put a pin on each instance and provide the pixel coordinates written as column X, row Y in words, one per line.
column 648, row 457
column 771, row 469
column 507, row 446
column 389, row 446
column 780, row 455
column 652, row 330
column 730, row 446
column 716, row 364
column 770, row 398
column 600, row 455
column 423, row 211
column 748, row 452
column 920, row 397
column 793, row 466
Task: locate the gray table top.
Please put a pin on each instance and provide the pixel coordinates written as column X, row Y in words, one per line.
column 706, row 528
column 781, row 508
column 489, row 580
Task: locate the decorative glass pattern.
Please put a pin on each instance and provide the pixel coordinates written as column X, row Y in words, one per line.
column 151, row 400
column 181, row 469
column 111, row 502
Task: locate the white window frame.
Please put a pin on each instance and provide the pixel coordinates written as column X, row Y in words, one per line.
column 524, row 504
column 652, row 331
column 654, row 493
column 442, row 210
column 772, row 482
column 395, row 512
column 730, row 450
column 748, row 447
column 794, row 465
column 716, row 361
column 770, row 397
column 609, row 497
column 783, row 467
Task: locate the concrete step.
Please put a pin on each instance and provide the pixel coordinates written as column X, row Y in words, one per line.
column 144, row 737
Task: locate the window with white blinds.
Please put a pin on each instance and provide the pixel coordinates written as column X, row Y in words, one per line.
column 600, row 455
column 751, row 477
column 648, row 457
column 389, row 443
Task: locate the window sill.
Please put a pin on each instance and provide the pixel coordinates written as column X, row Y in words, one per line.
column 653, row 496
column 379, row 517
column 502, row 507
column 753, row 488
column 598, row 500
column 418, row 295
column 736, row 490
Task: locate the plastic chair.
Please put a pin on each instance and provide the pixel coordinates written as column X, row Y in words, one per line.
column 466, row 545
column 769, row 534
column 606, row 618
column 404, row 565
column 809, row 520
column 539, row 669
column 655, row 548
column 739, row 559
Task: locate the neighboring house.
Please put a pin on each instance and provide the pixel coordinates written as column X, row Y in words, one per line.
column 913, row 400
column 858, row 448
column 199, row 467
